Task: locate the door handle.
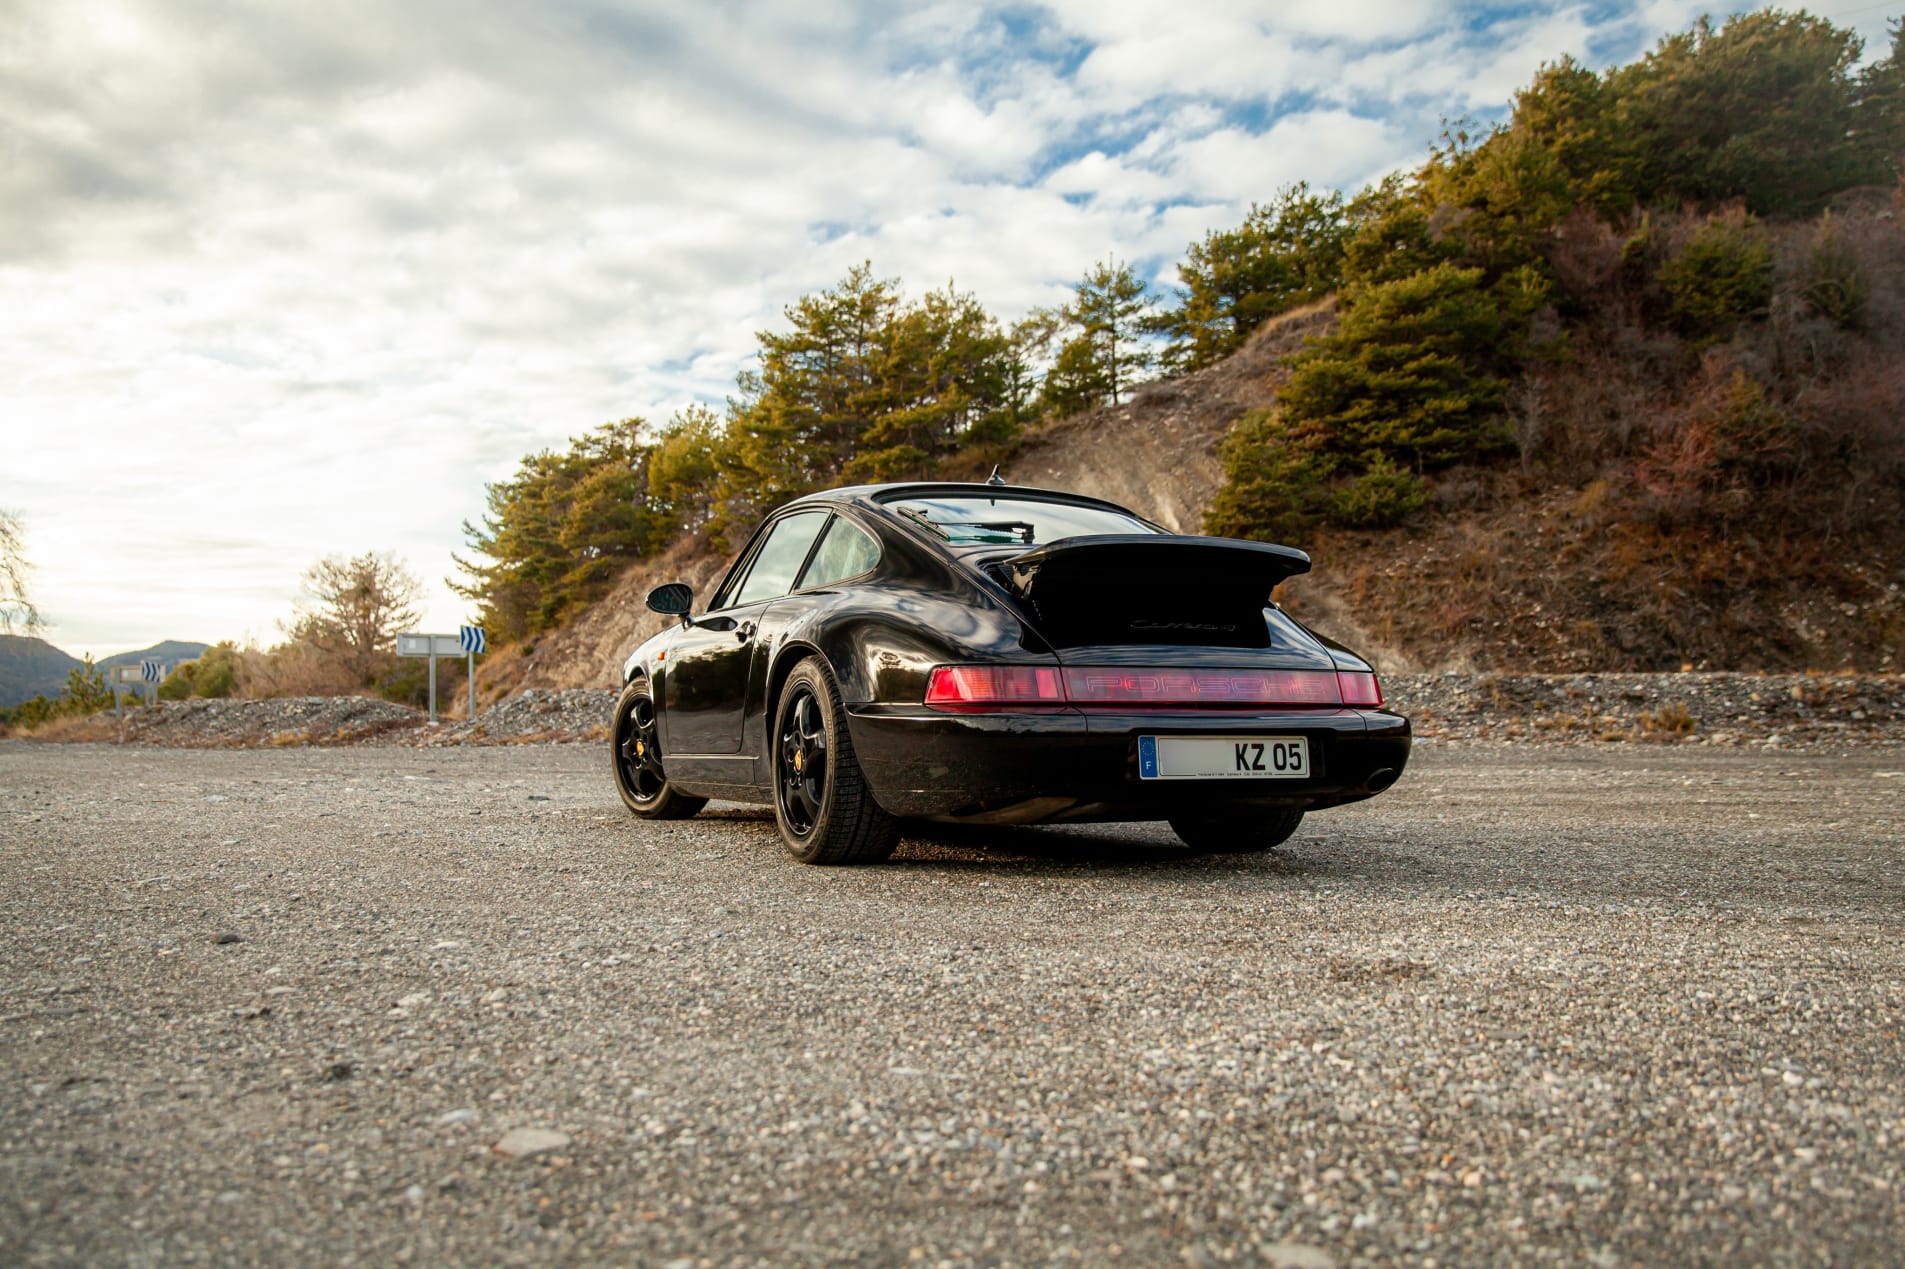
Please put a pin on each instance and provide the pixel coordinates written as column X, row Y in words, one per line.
column 744, row 631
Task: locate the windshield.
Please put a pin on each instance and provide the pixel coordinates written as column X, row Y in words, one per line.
column 975, row 520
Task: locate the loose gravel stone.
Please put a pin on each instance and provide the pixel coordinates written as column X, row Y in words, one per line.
column 522, row 1143
column 1617, row 1004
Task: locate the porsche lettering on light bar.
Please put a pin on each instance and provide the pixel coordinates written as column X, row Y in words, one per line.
column 1117, row 686
column 1007, row 686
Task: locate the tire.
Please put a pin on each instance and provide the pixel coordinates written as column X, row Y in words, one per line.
column 635, row 757
column 1236, row 834
column 826, row 813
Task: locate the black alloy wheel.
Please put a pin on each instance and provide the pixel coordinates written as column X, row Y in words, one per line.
column 827, row 814
column 803, row 762
column 1236, row 834
column 635, row 753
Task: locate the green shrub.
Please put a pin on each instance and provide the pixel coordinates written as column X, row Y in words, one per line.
column 1276, row 486
column 1832, row 283
column 408, row 683
column 213, row 674
column 1411, row 371
column 1721, row 278
column 1383, row 497
column 178, row 684
column 216, row 674
column 30, row 714
column 1752, row 435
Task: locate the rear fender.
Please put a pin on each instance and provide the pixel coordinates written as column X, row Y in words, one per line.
column 887, row 658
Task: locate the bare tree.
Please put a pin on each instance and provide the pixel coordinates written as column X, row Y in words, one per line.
column 360, row 605
column 16, row 609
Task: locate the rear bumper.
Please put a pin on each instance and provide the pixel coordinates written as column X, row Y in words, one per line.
column 1072, row 765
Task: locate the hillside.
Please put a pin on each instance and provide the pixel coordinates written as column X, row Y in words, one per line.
column 1498, row 574
column 30, row 667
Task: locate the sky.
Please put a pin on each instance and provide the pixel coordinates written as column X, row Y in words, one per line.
column 285, row 280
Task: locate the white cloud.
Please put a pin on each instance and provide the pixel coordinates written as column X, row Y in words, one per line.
column 289, row 279
column 1327, row 148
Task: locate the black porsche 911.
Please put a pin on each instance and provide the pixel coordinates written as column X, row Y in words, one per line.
column 997, row 654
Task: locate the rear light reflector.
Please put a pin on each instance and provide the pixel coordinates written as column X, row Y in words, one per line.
column 958, row 687
column 1360, row 689
column 1114, row 686
column 953, row 686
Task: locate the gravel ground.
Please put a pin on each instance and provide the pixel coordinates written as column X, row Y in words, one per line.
column 1712, row 709
column 1700, row 709
column 1614, row 1005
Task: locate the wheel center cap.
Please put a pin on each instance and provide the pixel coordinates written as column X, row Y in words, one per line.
column 641, row 750
column 800, row 761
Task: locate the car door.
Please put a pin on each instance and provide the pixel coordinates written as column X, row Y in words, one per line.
column 705, row 693
column 844, row 551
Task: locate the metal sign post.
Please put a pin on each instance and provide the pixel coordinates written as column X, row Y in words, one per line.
column 123, row 676
column 474, row 640
column 469, row 641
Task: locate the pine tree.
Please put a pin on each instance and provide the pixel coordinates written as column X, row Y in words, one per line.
column 1110, row 313
column 559, row 531
column 85, row 691
column 1286, row 254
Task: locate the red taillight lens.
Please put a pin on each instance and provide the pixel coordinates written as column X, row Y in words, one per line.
column 1111, row 686
column 1360, row 689
column 952, row 686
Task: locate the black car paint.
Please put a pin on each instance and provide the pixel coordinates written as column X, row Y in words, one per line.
column 926, row 603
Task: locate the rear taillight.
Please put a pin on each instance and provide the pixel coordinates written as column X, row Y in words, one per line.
column 979, row 687
column 1360, row 690
column 1110, row 686
column 992, row 686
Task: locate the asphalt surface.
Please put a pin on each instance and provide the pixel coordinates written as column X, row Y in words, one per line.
column 1624, row 1005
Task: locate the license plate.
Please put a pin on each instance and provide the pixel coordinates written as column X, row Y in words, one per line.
column 1223, row 758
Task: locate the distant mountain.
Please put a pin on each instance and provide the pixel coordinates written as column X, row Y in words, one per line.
column 31, row 667
column 172, row 652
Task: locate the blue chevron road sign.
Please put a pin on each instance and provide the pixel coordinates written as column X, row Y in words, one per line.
column 472, row 638
column 151, row 671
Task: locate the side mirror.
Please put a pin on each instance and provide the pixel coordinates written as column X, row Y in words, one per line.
column 673, row 599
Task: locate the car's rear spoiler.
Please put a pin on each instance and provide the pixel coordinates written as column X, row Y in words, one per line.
column 1146, row 587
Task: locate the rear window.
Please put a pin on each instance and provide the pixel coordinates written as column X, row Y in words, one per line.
column 846, row 551
column 972, row 521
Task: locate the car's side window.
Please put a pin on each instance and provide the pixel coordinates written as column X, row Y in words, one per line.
column 778, row 562
column 846, row 551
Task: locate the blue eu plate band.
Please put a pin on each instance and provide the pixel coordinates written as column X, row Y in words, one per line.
column 1147, row 757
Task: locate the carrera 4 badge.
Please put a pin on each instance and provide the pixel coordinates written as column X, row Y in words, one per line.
column 1142, row 624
